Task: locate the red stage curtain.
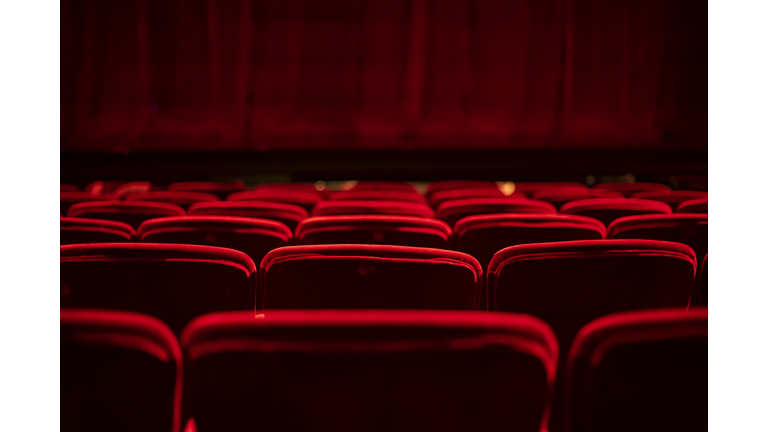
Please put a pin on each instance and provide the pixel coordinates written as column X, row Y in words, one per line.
column 279, row 74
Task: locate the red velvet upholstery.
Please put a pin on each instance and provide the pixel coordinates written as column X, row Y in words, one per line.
column 253, row 236
column 484, row 235
column 629, row 189
column 453, row 211
column 693, row 206
column 384, row 185
column 607, row 210
column 131, row 212
column 377, row 195
column 559, row 196
column 673, row 198
column 288, row 214
column 689, row 229
column 222, row 190
column 374, row 229
column 103, row 187
column 80, row 231
column 368, row 370
column 369, row 277
column 172, row 282
column 68, row 188
column 529, row 188
column 181, row 199
column 68, row 199
column 440, row 197
column 402, row 208
column 446, row 185
column 640, row 371
column 120, row 371
column 703, row 281
column 134, row 187
column 305, row 199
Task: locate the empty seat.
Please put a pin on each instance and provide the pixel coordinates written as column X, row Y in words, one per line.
column 673, row 198
column 440, row 197
column 529, row 188
column 68, row 188
column 81, row 231
column 377, row 195
column 374, row 229
column 68, row 199
column 222, row 190
column 172, row 282
column 459, row 184
column 693, row 206
column 402, row 208
column 134, row 187
column 131, row 212
column 453, row 211
column 103, row 187
column 369, row 277
column 689, row 229
column 181, row 199
column 384, row 185
column 307, row 200
column 484, row 235
column 606, row 210
column 253, row 236
column 120, row 371
column 630, row 188
column 288, row 214
column 640, row 371
column 559, row 196
column 368, row 370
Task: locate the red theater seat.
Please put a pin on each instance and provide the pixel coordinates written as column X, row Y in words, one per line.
column 689, row 229
column 453, row 211
column 440, row 197
column 606, row 210
column 222, row 190
column 302, row 187
column 307, row 200
column 628, row 189
column 482, row 236
column 135, row 187
column 640, row 371
column 131, row 212
column 103, row 187
column 172, row 282
column 68, row 199
column 693, row 206
column 181, row 199
column 369, row 277
column 288, row 214
column 446, row 185
column 702, row 281
column 673, row 198
column 253, row 236
column 384, row 185
column 81, row 231
column 68, row 188
column 368, row 370
column 529, row 188
column 374, row 229
column 377, row 195
column 559, row 196
column 120, row 371
column 402, row 208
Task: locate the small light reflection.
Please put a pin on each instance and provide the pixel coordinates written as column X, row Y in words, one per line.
column 320, row 185
column 591, row 180
column 507, row 188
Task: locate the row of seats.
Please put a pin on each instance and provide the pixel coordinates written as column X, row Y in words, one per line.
column 480, row 236
column 382, row 371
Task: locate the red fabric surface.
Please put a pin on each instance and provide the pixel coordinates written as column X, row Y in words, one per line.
column 403, row 208
column 693, row 206
column 453, row 211
column 270, row 74
column 81, row 230
column 374, row 229
column 289, row 214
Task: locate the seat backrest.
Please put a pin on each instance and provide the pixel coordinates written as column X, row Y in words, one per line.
column 172, row 282
column 68, row 199
column 374, row 229
column 384, row 185
column 369, row 277
column 288, row 214
column 133, row 213
column 377, row 195
column 559, row 196
column 673, row 198
column 305, row 199
column 81, row 231
column 119, row 371
column 402, row 208
column 453, row 211
column 693, row 206
column 368, row 370
column 689, row 229
column 630, row 188
column 529, row 188
column 445, row 185
column 68, row 188
column 484, row 235
column 222, row 190
column 440, row 197
column 702, row 281
column 639, row 371
column 607, row 210
column 133, row 187
column 182, row 199
column 253, row 236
